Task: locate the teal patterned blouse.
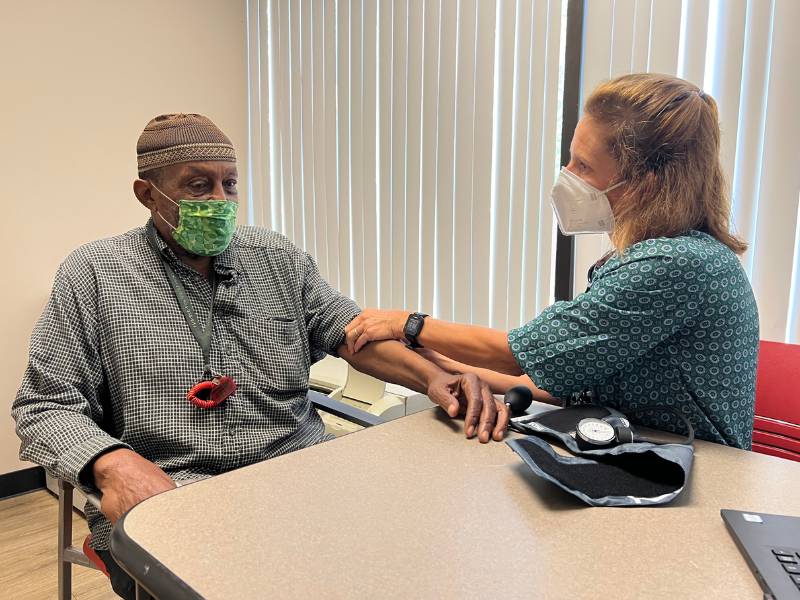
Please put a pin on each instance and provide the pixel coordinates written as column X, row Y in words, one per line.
column 671, row 322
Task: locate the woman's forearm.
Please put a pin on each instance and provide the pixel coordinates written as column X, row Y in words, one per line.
column 481, row 347
column 499, row 383
column 470, row 344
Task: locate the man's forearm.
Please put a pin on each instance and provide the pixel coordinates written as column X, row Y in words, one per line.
column 392, row 361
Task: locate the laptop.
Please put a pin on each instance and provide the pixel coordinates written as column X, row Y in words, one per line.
column 771, row 546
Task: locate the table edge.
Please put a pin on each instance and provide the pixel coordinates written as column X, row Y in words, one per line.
column 141, row 566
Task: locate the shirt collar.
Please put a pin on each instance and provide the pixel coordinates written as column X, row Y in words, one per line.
column 225, row 262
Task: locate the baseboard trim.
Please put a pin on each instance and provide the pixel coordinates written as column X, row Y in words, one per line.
column 21, row 482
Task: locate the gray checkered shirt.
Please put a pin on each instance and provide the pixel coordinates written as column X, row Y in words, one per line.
column 112, row 357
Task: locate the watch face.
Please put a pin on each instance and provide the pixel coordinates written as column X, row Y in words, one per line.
column 596, row 431
column 413, row 325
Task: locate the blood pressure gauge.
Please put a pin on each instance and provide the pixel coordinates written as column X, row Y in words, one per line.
column 594, row 433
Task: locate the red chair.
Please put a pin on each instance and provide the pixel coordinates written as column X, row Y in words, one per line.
column 777, row 425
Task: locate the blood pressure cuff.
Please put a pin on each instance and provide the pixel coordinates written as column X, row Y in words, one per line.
column 632, row 474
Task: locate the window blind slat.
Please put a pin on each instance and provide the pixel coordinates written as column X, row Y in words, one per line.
column 533, row 175
column 550, row 152
column 296, row 201
column 268, row 76
column 369, row 186
column 446, row 109
column 665, row 20
column 620, row 44
column 283, row 110
column 331, row 124
column 430, row 100
column 464, row 155
column 693, row 36
column 750, row 128
column 780, row 178
column 399, row 62
column 356, row 162
column 725, row 85
column 482, row 182
column 307, row 130
column 343, row 118
column 501, row 160
column 598, row 63
column 257, row 66
column 640, row 54
column 519, row 139
column 319, row 137
column 413, row 153
column 386, row 75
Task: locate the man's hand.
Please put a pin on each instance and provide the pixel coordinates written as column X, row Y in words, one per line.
column 373, row 325
column 467, row 395
column 126, row 478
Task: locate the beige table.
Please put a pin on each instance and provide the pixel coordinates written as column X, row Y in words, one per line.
column 411, row 509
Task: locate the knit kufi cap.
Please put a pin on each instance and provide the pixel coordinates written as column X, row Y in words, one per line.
column 178, row 138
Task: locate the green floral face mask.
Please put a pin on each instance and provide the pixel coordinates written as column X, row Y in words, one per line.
column 205, row 227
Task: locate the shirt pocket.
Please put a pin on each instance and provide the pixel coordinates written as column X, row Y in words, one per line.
column 277, row 355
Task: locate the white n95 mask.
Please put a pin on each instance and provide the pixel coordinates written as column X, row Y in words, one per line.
column 580, row 207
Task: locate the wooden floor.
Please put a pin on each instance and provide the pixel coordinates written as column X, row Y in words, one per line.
column 28, row 526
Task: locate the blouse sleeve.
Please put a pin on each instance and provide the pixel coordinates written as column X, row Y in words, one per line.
column 629, row 310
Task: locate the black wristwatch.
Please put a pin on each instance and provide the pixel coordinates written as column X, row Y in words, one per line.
column 413, row 328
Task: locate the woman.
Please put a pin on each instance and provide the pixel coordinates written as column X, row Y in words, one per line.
column 669, row 318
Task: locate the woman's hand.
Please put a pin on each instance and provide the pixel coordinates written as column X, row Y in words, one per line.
column 373, row 325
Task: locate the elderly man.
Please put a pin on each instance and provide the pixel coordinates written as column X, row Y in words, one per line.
column 182, row 349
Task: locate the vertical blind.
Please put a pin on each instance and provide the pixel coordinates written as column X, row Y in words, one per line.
column 744, row 53
column 410, row 146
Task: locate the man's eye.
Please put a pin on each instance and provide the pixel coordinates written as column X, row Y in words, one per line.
column 231, row 183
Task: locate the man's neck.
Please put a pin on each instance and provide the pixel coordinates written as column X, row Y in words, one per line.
column 201, row 264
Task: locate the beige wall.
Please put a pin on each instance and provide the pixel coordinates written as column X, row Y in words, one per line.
column 79, row 81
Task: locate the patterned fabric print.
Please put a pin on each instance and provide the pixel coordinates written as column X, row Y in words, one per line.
column 112, row 358
column 673, row 322
column 205, row 227
column 185, row 153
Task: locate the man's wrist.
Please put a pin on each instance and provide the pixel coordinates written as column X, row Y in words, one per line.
column 430, row 374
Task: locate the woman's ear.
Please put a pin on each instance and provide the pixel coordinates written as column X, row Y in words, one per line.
column 615, row 195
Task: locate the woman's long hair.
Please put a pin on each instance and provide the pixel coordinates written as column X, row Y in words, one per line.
column 664, row 134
